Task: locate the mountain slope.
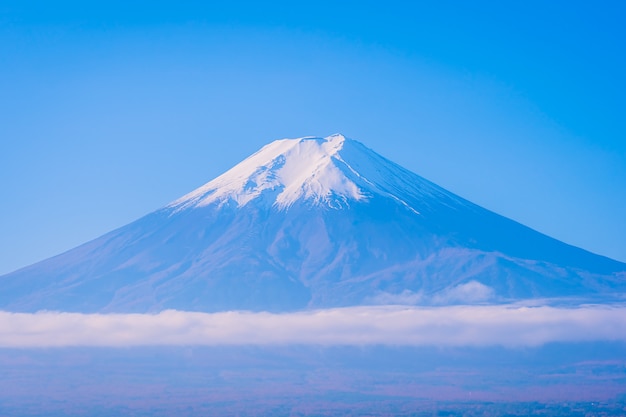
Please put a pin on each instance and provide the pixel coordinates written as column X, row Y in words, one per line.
column 308, row 223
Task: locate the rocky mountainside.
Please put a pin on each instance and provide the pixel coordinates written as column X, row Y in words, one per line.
column 313, row 223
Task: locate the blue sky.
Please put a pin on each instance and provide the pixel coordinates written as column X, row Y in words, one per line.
column 109, row 110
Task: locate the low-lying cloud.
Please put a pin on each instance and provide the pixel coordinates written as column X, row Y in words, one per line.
column 506, row 325
column 472, row 292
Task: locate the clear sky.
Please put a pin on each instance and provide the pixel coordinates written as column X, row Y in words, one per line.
column 110, row 110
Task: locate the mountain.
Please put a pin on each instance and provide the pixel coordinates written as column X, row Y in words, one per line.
column 313, row 223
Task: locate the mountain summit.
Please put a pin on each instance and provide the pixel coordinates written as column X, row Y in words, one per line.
column 330, row 172
column 311, row 223
column 284, row 172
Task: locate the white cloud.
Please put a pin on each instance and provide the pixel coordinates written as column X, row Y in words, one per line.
column 471, row 292
column 446, row 326
column 406, row 297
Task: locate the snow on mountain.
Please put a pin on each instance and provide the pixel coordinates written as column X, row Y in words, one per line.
column 310, row 223
column 332, row 172
column 288, row 171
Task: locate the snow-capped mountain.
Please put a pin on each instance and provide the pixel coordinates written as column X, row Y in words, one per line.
column 309, row 223
column 331, row 172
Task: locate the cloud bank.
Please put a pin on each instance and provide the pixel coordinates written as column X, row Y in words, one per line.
column 506, row 325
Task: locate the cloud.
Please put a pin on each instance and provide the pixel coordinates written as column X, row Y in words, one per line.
column 471, row 292
column 506, row 325
column 406, row 297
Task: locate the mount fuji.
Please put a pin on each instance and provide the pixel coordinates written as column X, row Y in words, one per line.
column 313, row 223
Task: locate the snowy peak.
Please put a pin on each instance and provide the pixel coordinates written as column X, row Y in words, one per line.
column 331, row 172
column 281, row 173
